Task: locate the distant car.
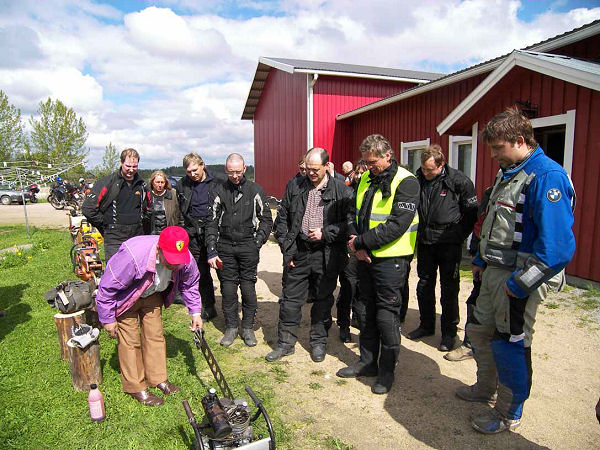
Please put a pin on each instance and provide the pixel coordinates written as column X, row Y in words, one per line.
column 9, row 195
column 173, row 180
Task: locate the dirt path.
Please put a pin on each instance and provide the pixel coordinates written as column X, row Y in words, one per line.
column 38, row 214
column 421, row 410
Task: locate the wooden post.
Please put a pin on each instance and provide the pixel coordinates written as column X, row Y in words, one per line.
column 84, row 365
column 64, row 322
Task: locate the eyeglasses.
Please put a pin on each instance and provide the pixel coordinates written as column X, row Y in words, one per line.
column 235, row 172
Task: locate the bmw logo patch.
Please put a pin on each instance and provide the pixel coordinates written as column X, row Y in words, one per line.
column 553, row 195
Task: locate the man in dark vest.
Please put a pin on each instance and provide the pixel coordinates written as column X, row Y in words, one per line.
column 193, row 193
column 115, row 205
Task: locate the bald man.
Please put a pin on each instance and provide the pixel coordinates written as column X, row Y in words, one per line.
column 239, row 224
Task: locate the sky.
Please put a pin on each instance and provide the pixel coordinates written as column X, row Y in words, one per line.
column 170, row 77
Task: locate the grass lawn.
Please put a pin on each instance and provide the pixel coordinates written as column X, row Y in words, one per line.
column 38, row 406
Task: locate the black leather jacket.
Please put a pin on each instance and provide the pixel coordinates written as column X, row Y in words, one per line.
column 337, row 199
column 237, row 213
column 448, row 210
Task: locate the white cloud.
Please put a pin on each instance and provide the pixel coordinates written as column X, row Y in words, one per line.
column 168, row 83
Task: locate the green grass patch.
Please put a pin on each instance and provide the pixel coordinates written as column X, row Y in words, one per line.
column 318, row 373
column 40, row 409
column 315, row 386
column 552, row 305
column 332, row 442
column 341, row 382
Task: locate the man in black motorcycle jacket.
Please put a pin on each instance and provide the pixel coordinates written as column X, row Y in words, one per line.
column 447, row 213
column 240, row 222
column 115, row 204
column 193, row 192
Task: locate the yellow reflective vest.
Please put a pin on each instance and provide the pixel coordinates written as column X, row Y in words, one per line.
column 380, row 211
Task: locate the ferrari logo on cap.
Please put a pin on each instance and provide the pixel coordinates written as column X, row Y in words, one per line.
column 179, row 245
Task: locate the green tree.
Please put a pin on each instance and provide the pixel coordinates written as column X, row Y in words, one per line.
column 58, row 135
column 111, row 160
column 12, row 136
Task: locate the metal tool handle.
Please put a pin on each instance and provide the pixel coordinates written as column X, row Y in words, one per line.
column 212, row 363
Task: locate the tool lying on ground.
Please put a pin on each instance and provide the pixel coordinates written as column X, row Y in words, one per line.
column 228, row 421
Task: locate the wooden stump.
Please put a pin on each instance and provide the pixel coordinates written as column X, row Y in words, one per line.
column 84, row 366
column 64, row 322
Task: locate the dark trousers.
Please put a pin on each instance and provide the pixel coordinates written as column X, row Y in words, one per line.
column 239, row 269
column 471, row 302
column 348, row 286
column 310, row 273
column 405, row 293
column 447, row 258
column 115, row 234
column 381, row 284
column 205, row 285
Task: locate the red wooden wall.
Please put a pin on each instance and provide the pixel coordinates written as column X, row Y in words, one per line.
column 586, row 49
column 416, row 119
column 336, row 95
column 413, row 119
column 279, row 130
column 554, row 97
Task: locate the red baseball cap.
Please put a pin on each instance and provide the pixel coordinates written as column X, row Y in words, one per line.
column 173, row 241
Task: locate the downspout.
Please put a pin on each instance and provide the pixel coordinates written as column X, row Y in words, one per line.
column 309, row 108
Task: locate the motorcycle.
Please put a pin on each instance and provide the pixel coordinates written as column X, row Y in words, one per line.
column 33, row 189
column 66, row 195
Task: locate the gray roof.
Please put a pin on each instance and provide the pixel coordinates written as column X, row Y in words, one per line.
column 317, row 66
column 300, row 66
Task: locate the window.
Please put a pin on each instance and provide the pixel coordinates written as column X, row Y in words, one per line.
column 463, row 153
column 556, row 135
column 410, row 154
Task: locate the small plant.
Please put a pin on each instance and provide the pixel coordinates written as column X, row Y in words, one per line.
column 318, row 373
column 552, row 305
column 341, row 382
column 315, row 386
column 281, row 375
column 336, row 443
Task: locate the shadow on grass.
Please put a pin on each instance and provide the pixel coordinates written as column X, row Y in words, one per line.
column 176, row 346
column 15, row 312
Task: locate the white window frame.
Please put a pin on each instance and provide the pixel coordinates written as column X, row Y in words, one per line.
column 455, row 141
column 567, row 119
column 405, row 147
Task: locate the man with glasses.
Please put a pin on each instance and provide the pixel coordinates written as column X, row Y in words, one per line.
column 311, row 230
column 192, row 193
column 448, row 212
column 115, row 204
column 382, row 237
column 239, row 224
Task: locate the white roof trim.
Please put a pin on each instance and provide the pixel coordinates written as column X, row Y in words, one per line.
column 529, row 60
column 422, row 89
column 361, row 75
column 278, row 65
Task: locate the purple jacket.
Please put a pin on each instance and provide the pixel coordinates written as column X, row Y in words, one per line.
column 131, row 271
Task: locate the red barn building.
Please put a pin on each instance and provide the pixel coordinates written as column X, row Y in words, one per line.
column 294, row 103
column 556, row 83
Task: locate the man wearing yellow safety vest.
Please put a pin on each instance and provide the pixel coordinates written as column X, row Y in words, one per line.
column 383, row 233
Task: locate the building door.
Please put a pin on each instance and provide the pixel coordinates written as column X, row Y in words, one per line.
column 552, row 141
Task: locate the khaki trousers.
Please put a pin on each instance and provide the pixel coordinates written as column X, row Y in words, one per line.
column 142, row 347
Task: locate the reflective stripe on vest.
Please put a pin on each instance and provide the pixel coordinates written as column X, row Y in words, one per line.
column 380, row 212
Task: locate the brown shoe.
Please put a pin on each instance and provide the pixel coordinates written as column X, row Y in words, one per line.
column 167, row 387
column 147, row 398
